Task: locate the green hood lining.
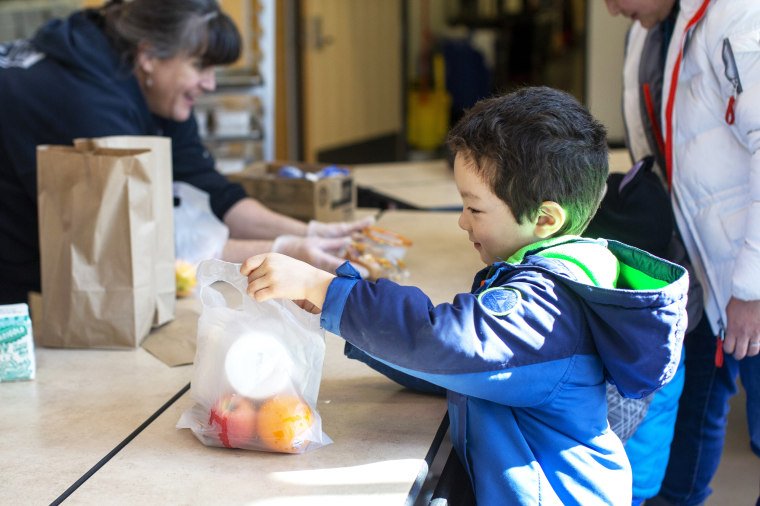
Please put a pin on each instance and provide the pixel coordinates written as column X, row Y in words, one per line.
column 593, row 262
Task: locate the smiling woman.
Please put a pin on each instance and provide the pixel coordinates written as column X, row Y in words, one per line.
column 174, row 47
column 129, row 68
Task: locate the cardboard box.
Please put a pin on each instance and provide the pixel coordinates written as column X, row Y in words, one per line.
column 327, row 199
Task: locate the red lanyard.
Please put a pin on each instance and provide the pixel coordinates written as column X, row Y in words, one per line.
column 672, row 93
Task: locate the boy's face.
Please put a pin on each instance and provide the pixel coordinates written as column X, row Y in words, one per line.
column 487, row 220
column 646, row 12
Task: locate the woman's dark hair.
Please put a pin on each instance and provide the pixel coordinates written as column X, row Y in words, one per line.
column 533, row 145
column 171, row 27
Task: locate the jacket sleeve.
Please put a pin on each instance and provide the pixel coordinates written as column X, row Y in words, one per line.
column 519, row 357
column 194, row 165
column 746, row 50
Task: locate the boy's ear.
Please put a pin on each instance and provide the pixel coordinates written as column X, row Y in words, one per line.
column 551, row 217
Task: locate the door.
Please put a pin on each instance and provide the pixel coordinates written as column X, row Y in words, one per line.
column 351, row 70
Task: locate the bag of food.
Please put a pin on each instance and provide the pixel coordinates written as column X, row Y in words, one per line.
column 381, row 252
column 198, row 234
column 257, row 369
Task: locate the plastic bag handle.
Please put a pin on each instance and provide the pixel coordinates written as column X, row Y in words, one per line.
column 213, row 270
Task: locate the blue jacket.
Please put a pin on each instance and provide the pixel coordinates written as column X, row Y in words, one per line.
column 524, row 358
column 66, row 83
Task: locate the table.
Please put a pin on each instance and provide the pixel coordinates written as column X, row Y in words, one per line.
column 82, row 404
column 110, row 416
column 429, row 185
column 620, row 160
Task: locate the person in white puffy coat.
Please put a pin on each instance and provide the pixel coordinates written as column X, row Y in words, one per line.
column 709, row 137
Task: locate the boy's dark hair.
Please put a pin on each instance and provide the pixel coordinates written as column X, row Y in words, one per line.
column 533, row 145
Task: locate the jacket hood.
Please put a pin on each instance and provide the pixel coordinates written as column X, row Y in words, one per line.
column 78, row 43
column 635, row 305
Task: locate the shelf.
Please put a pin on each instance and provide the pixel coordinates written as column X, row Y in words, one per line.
column 232, row 79
column 253, row 136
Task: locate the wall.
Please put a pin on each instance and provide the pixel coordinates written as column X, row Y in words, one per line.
column 604, row 68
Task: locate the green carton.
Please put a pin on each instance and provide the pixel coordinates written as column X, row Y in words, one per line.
column 16, row 343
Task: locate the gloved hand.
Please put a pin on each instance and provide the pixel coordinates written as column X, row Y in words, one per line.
column 339, row 229
column 324, row 253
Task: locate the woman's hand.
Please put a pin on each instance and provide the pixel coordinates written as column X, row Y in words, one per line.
column 324, row 253
column 743, row 328
column 339, row 229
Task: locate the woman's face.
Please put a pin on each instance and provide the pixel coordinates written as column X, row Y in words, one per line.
column 172, row 85
column 646, row 12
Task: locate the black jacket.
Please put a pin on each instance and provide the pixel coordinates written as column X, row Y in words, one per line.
column 67, row 82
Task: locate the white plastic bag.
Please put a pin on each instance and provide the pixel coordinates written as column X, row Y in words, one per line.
column 198, row 233
column 257, row 369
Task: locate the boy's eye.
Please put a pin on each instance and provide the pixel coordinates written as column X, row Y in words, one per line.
column 473, row 210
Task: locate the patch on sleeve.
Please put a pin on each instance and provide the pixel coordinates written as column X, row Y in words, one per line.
column 499, row 300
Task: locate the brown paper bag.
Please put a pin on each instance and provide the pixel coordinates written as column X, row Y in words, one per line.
column 161, row 147
column 98, row 231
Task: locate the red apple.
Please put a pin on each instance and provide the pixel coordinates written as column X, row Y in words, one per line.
column 235, row 418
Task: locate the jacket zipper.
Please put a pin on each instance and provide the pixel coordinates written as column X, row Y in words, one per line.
column 719, row 348
column 732, row 74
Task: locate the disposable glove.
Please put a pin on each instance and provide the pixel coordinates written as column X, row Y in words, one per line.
column 339, row 229
column 324, row 253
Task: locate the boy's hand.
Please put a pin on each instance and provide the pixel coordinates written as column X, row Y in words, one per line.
column 272, row 275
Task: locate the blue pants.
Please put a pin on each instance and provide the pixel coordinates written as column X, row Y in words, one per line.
column 649, row 447
column 701, row 423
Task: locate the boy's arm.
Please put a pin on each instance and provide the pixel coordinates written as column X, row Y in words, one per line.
column 272, row 275
column 518, row 358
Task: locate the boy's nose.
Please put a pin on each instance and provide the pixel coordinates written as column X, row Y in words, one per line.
column 461, row 221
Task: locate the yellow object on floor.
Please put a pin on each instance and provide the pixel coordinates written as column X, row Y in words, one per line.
column 429, row 111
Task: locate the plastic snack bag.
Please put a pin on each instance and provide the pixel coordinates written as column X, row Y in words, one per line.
column 381, row 251
column 198, row 234
column 257, row 369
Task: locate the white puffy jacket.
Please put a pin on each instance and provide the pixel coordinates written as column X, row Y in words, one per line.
column 716, row 164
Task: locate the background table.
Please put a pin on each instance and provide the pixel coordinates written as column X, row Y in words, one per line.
column 427, row 185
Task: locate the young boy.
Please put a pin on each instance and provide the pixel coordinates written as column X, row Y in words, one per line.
column 525, row 354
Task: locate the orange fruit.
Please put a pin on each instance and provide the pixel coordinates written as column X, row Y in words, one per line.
column 282, row 421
